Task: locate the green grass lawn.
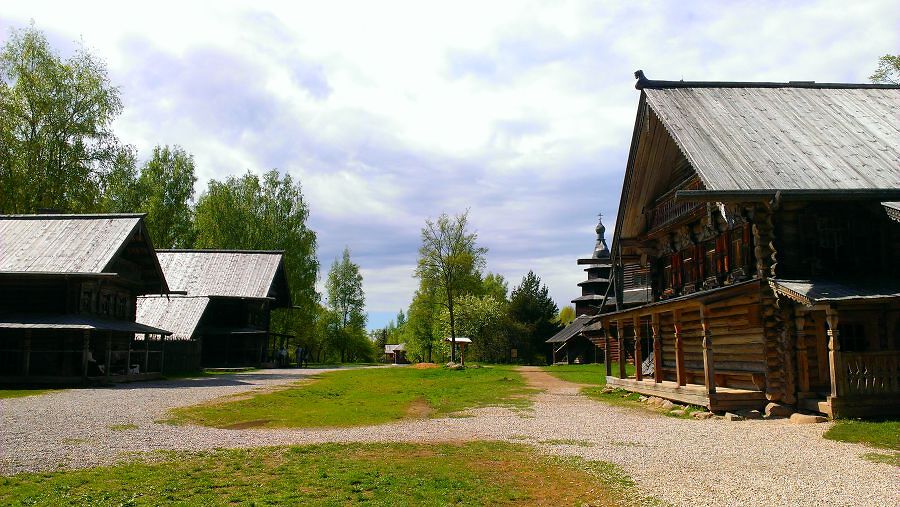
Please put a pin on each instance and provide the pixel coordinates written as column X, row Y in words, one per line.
column 879, row 434
column 359, row 397
column 21, row 393
column 475, row 473
column 591, row 374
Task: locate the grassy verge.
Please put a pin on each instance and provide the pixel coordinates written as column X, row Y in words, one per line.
column 358, row 397
column 590, row 374
column 878, row 434
column 476, row 473
column 21, row 393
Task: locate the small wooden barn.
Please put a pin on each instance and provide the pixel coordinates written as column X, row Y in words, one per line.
column 765, row 215
column 222, row 316
column 68, row 287
column 395, row 353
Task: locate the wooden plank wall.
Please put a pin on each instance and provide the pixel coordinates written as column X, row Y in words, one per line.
column 738, row 342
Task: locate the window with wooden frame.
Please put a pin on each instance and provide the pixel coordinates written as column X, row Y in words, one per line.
column 688, row 267
column 853, row 337
column 710, row 259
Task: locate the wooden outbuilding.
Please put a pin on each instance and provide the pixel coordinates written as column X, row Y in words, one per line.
column 222, row 317
column 395, row 353
column 68, row 287
column 765, row 215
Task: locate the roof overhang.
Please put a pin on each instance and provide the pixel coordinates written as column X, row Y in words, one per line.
column 856, row 194
column 75, row 322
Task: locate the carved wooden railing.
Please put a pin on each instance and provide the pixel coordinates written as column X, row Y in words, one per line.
column 667, row 211
column 871, row 372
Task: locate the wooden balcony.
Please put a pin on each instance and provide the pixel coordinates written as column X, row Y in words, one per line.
column 667, row 210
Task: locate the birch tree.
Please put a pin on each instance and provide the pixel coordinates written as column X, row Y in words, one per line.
column 450, row 261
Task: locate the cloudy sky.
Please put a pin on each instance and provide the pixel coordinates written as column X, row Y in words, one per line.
column 391, row 112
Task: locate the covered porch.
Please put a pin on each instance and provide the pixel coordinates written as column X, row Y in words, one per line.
column 672, row 346
column 847, row 346
column 77, row 349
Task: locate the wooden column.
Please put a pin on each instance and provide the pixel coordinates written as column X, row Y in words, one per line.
column 709, row 368
column 802, row 357
column 108, row 363
column 680, row 374
column 620, row 334
column 162, row 352
column 657, row 349
column 835, row 362
column 85, row 349
column 26, row 353
column 638, row 374
column 607, row 356
column 146, row 353
column 128, row 359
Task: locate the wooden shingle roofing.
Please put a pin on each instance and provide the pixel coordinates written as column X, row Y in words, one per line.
column 62, row 243
column 227, row 273
column 785, row 138
column 179, row 314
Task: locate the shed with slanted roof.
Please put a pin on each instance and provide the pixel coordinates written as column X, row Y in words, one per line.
column 223, row 316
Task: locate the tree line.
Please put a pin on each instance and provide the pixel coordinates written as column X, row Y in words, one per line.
column 456, row 297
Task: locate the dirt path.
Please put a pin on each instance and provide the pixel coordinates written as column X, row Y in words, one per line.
column 682, row 462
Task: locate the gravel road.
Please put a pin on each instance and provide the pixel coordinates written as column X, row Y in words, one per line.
column 682, row 462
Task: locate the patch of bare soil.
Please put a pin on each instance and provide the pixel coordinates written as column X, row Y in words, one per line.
column 419, row 409
column 539, row 379
column 256, row 423
column 425, row 366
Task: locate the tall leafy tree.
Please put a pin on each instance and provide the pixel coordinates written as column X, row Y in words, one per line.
column 450, row 261
column 566, row 315
column 347, row 301
column 420, row 332
column 531, row 307
column 165, row 192
column 888, row 70
column 57, row 145
column 268, row 213
column 495, row 285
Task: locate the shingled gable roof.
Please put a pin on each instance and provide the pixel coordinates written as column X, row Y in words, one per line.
column 763, row 136
column 227, row 273
column 74, row 245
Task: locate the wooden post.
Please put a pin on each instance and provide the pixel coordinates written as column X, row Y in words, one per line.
column 620, row 334
column 85, row 350
column 709, row 368
column 146, row 353
column 838, row 375
column 638, row 374
column 128, row 358
column 108, row 363
column 657, row 349
column 162, row 352
column 607, row 356
column 680, row 374
column 26, row 353
column 802, row 358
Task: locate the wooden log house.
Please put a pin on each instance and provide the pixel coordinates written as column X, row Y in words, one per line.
column 68, row 287
column 222, row 317
column 766, row 217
